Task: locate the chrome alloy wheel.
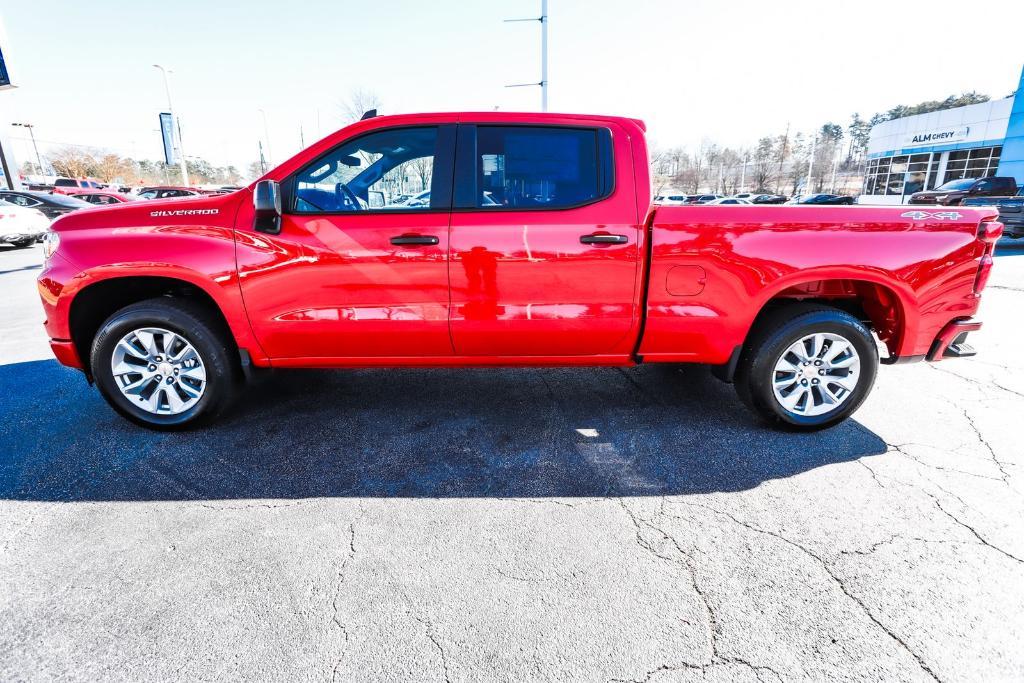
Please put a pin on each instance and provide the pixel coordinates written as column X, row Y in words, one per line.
column 158, row 371
column 816, row 374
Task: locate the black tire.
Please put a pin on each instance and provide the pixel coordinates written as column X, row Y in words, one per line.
column 195, row 324
column 21, row 244
column 773, row 335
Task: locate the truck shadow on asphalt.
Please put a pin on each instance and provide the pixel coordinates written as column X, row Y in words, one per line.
column 650, row 430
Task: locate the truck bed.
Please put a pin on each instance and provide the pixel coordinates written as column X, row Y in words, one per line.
column 714, row 268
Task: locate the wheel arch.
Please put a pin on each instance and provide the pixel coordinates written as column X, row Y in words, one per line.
column 98, row 300
column 877, row 301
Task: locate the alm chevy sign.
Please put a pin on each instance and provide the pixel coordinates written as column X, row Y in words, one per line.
column 940, row 136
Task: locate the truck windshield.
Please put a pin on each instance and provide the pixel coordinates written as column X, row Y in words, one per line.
column 962, row 184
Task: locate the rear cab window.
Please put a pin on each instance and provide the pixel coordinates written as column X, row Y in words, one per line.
column 524, row 167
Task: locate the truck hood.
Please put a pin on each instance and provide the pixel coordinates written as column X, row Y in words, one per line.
column 217, row 210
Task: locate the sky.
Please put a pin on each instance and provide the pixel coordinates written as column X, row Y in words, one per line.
column 728, row 72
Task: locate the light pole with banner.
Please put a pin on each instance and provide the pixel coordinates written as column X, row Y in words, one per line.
column 7, row 161
column 172, row 133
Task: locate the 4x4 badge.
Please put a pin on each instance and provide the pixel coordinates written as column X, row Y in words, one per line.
column 937, row 215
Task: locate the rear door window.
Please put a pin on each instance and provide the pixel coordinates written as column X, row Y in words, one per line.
column 538, row 167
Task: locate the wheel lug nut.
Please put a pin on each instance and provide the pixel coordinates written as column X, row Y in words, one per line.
column 170, row 380
column 176, row 371
column 152, row 367
column 803, row 382
column 159, row 359
column 817, row 362
column 814, row 381
column 821, row 372
column 159, row 377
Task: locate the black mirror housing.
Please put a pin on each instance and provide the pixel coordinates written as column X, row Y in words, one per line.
column 266, row 200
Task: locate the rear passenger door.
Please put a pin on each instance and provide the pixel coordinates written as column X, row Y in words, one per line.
column 543, row 251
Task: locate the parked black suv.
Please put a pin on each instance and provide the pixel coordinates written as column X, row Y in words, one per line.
column 1011, row 212
column 953, row 192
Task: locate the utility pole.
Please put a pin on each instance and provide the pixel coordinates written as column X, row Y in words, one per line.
column 835, row 169
column 810, row 164
column 543, row 19
column 176, row 125
column 31, row 134
column 266, row 136
column 782, row 159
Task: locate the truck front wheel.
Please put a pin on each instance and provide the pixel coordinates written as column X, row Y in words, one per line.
column 807, row 366
column 163, row 364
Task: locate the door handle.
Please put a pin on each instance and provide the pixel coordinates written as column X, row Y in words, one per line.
column 604, row 239
column 413, row 240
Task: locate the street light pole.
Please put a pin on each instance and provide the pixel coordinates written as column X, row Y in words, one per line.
column 175, row 126
column 31, row 134
column 543, row 55
column 543, row 19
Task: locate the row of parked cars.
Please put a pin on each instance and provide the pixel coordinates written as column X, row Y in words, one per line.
column 26, row 214
column 673, row 199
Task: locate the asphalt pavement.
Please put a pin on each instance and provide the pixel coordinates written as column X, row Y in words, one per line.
column 514, row 524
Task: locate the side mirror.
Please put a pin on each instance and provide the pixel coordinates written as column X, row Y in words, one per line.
column 266, row 201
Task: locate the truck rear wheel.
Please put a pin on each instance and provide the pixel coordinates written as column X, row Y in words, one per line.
column 807, row 366
column 164, row 364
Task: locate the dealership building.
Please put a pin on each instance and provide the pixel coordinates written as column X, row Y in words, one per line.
column 924, row 151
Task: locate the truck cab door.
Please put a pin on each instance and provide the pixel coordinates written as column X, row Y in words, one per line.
column 356, row 272
column 544, row 241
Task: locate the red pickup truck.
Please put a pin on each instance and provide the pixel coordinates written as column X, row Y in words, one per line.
column 536, row 246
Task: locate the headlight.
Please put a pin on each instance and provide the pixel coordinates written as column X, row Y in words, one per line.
column 51, row 240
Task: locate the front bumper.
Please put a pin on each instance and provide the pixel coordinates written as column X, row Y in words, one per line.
column 952, row 340
column 66, row 353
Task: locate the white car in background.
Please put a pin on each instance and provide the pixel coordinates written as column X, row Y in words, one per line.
column 728, row 200
column 21, row 226
column 671, row 198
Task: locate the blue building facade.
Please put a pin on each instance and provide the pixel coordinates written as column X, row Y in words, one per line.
column 922, row 152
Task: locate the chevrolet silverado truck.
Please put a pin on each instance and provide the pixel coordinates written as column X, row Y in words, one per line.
column 537, row 247
column 1011, row 211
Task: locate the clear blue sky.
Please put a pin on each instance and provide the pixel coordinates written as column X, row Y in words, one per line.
column 726, row 71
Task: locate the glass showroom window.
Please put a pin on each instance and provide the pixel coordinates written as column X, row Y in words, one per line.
column 877, row 177
column 972, row 163
column 897, row 172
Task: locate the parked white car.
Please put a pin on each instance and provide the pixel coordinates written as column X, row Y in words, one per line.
column 728, row 200
column 670, row 198
column 21, row 226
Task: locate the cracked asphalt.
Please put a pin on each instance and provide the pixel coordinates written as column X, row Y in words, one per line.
column 557, row 524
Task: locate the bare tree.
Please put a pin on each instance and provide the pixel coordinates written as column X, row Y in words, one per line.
column 358, row 102
column 424, row 169
column 765, row 155
column 74, row 162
